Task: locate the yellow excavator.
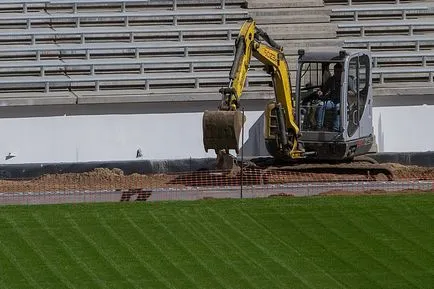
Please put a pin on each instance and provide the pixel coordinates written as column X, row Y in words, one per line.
column 310, row 126
column 221, row 129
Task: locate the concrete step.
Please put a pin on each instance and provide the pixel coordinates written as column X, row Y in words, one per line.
column 252, row 4
column 402, row 88
column 290, row 15
column 292, row 46
column 300, row 31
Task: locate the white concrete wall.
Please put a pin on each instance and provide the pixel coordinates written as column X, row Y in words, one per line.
column 116, row 137
column 404, row 128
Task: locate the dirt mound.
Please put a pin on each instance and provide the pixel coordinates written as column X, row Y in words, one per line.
column 98, row 179
column 100, row 174
column 411, row 172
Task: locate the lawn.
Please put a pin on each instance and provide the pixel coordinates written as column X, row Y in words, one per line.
column 312, row 242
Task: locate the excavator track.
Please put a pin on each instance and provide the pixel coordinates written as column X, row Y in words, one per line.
column 360, row 166
column 249, row 173
column 371, row 171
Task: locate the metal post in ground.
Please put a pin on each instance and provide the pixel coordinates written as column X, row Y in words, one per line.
column 242, row 157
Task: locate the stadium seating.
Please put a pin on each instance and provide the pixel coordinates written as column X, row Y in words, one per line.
column 399, row 35
column 50, row 47
column 380, row 11
column 62, row 45
column 409, row 27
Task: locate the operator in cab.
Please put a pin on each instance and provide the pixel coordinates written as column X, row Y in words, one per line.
column 330, row 96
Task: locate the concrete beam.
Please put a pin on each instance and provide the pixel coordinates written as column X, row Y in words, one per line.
column 290, row 15
column 255, row 4
column 26, row 99
column 300, row 31
column 166, row 95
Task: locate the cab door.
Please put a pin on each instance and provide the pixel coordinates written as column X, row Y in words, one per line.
column 352, row 99
column 359, row 97
column 365, row 101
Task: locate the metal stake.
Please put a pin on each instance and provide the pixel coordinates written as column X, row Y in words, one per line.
column 242, row 157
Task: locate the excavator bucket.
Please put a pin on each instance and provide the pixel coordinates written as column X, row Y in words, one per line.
column 221, row 129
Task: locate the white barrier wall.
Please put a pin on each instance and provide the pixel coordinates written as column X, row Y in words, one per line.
column 117, row 137
column 113, row 135
column 404, row 128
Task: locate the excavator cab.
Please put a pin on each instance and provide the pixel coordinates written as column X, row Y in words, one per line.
column 334, row 103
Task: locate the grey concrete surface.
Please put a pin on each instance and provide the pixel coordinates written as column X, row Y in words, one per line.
column 284, row 3
column 235, row 192
column 35, row 99
column 295, row 32
column 290, row 15
column 166, row 95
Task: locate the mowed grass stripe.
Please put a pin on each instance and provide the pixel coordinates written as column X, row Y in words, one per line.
column 368, row 250
column 99, row 247
column 61, row 225
column 2, row 284
column 259, row 273
column 10, row 275
column 410, row 226
column 43, row 253
column 409, row 256
column 191, row 247
column 277, row 274
column 360, row 237
column 335, row 257
column 273, row 257
column 91, row 279
column 232, row 267
column 30, row 261
column 302, row 264
column 166, row 264
column 133, row 254
column 166, row 239
column 391, row 226
column 394, row 225
column 418, row 220
column 315, row 242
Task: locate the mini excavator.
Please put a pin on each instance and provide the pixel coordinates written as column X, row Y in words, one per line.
column 328, row 120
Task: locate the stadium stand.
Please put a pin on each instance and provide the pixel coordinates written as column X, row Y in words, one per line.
column 60, row 46
column 55, row 48
column 400, row 35
column 381, row 11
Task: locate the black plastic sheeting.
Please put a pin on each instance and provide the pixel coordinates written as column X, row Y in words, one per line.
column 423, row 159
column 27, row 171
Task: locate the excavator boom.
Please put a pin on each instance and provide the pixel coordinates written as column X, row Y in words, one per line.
column 221, row 128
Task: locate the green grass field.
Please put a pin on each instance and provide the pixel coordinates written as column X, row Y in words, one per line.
column 316, row 242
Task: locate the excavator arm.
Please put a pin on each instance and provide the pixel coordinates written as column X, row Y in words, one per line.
column 221, row 129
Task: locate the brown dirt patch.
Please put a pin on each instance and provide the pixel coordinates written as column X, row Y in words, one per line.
column 98, row 179
column 411, row 172
column 115, row 179
column 370, row 192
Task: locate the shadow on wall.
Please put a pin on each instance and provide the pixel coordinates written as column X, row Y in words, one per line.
column 255, row 144
column 380, row 136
